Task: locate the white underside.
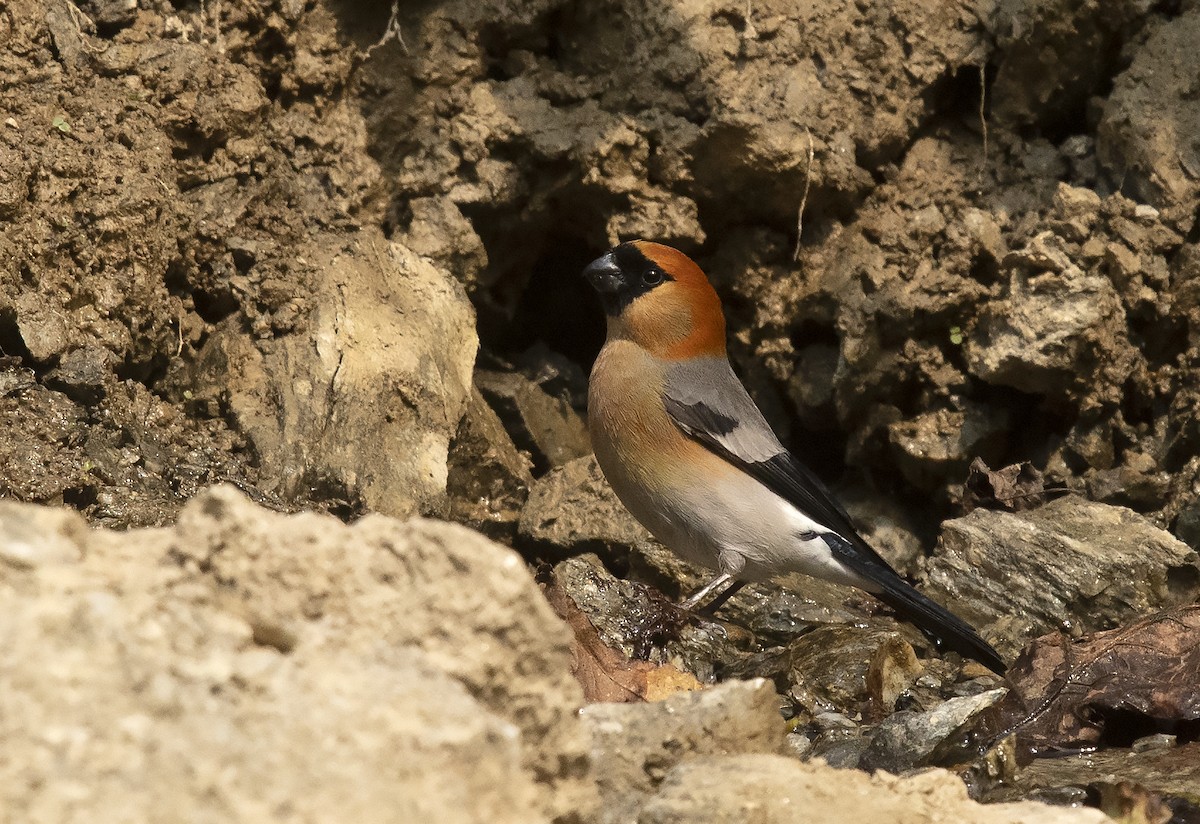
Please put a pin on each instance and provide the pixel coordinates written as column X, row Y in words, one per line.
column 740, row 528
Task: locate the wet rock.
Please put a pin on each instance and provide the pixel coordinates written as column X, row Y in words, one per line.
column 1172, row 772
column 640, row 622
column 545, row 425
column 773, row 789
column 488, row 478
column 840, row 747
column 1070, row 563
column 81, row 374
column 827, row 668
column 1157, row 741
column 634, row 746
column 1147, row 132
column 893, row 669
column 381, row 670
column 911, row 739
column 787, row 608
column 572, row 510
column 32, row 535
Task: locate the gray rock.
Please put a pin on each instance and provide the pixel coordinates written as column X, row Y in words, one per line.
column 635, row 745
column 827, row 668
column 546, row 425
column 572, row 510
column 488, row 478
column 840, row 747
column 81, row 374
column 1071, row 563
column 909, row 739
column 643, row 624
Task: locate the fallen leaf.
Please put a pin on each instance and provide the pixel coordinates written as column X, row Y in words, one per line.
column 605, row 673
column 1014, row 488
column 1108, row 688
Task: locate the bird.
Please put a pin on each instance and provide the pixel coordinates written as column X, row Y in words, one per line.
column 691, row 456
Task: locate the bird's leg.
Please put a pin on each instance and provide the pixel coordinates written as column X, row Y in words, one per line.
column 715, row 584
column 718, row 602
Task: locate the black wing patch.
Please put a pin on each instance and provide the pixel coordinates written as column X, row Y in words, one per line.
column 698, row 419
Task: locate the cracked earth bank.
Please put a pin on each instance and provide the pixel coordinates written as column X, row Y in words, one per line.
column 262, row 244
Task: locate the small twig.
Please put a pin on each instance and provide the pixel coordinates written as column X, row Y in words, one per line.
column 391, row 32
column 983, row 119
column 803, row 197
column 82, row 22
column 749, row 32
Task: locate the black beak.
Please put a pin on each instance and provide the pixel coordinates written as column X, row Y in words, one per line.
column 604, row 274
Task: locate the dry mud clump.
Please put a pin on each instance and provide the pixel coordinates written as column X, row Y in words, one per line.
column 185, row 293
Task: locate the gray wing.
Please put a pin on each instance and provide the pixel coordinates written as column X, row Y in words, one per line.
column 709, row 404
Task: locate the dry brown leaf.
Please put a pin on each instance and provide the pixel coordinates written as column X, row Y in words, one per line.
column 606, row 674
column 1014, row 488
column 1110, row 687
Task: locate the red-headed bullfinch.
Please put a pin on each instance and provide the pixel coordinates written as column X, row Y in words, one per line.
column 691, row 456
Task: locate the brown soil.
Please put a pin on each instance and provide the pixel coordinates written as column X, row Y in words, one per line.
column 998, row 257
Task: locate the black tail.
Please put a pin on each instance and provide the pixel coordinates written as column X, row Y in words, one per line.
column 941, row 626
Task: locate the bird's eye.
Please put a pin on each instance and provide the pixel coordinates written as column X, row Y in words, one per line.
column 652, row 276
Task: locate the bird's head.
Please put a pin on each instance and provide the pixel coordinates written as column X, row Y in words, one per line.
column 658, row 298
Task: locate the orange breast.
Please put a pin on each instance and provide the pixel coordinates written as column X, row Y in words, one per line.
column 637, row 444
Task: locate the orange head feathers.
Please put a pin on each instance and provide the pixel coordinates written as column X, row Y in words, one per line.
column 658, row 298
